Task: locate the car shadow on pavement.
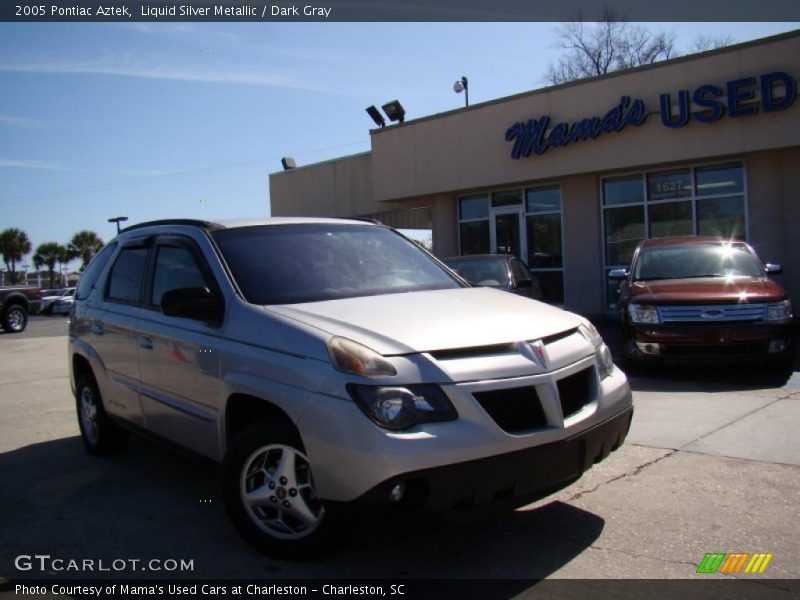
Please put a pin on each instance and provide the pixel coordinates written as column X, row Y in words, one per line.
column 150, row 502
column 705, row 378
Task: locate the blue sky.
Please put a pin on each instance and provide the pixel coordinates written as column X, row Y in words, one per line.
column 155, row 120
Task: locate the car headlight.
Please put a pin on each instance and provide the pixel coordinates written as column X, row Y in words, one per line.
column 602, row 354
column 779, row 311
column 605, row 362
column 351, row 357
column 401, row 407
column 643, row 313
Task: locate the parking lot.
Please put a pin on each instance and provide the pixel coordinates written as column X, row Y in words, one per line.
column 712, row 464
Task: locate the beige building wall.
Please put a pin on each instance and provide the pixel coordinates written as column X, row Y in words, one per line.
column 430, row 162
column 466, row 149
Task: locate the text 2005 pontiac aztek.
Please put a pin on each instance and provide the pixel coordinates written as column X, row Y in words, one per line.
column 327, row 362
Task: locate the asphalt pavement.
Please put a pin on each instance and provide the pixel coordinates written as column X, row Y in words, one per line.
column 712, row 464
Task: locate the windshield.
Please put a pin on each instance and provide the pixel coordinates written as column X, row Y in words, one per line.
column 481, row 271
column 288, row 264
column 696, row 260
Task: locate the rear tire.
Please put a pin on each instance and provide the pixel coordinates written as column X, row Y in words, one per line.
column 269, row 493
column 100, row 435
column 15, row 318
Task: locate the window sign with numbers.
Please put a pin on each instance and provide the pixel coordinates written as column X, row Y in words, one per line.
column 669, row 185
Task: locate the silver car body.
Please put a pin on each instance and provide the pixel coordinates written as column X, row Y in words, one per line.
column 174, row 377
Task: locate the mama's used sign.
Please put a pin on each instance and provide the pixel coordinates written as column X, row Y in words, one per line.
column 711, row 102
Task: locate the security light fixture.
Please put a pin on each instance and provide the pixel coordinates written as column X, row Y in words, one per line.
column 117, row 221
column 288, row 163
column 376, row 116
column 395, row 111
column 462, row 85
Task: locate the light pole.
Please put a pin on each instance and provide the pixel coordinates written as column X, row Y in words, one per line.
column 117, row 221
column 462, row 85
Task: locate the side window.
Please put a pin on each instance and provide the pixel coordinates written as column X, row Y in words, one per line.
column 93, row 271
column 176, row 268
column 126, row 275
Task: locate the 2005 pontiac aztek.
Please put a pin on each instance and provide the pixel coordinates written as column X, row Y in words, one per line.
column 327, row 362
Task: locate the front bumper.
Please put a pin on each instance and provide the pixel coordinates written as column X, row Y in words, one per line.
column 523, row 475
column 710, row 342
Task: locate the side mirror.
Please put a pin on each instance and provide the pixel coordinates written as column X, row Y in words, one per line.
column 197, row 303
column 524, row 284
column 618, row 274
column 773, row 269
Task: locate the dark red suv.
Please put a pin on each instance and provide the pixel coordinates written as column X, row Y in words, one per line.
column 705, row 299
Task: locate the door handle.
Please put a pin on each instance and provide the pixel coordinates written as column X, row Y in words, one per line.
column 145, row 342
column 97, row 328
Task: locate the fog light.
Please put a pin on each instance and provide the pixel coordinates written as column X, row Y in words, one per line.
column 777, row 346
column 648, row 348
column 397, row 493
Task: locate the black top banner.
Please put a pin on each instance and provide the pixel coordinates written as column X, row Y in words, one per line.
column 394, row 10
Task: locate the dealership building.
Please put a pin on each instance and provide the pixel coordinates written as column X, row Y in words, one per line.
column 570, row 178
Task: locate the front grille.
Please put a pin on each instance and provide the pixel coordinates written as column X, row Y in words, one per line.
column 515, row 409
column 711, row 313
column 573, row 391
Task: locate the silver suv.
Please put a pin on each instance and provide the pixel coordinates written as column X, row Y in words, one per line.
column 331, row 362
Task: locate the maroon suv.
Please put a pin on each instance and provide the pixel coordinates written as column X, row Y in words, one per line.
column 703, row 298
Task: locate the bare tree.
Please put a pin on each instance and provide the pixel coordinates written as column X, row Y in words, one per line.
column 706, row 41
column 591, row 49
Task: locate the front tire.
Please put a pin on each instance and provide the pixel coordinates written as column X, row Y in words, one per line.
column 99, row 433
column 269, row 493
column 15, row 318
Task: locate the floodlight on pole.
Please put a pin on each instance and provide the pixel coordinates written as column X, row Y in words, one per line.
column 462, row 85
column 395, row 111
column 376, row 116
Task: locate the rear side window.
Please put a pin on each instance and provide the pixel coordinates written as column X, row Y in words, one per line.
column 93, row 271
column 126, row 275
column 176, row 268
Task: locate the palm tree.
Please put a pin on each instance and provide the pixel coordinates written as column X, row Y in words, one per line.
column 47, row 255
column 14, row 244
column 65, row 255
column 85, row 244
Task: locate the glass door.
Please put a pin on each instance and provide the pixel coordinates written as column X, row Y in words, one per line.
column 507, row 234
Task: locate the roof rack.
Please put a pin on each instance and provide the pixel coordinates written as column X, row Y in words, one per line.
column 189, row 222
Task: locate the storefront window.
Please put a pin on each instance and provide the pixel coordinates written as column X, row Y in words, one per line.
column 671, row 218
column 623, row 190
column 475, row 237
column 473, row 213
column 545, row 199
column 715, row 181
column 707, row 200
column 722, row 217
column 624, row 229
column 507, row 198
column 544, row 241
column 474, row 207
column 669, row 185
column 543, row 232
column 551, row 284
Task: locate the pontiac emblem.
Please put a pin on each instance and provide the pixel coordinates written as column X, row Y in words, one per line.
column 538, row 348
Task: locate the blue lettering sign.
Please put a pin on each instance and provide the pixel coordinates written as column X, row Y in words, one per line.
column 736, row 95
column 529, row 136
column 704, row 97
column 535, row 135
column 768, row 101
column 665, row 103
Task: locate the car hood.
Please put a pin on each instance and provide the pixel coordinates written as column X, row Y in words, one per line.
column 433, row 320
column 706, row 290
